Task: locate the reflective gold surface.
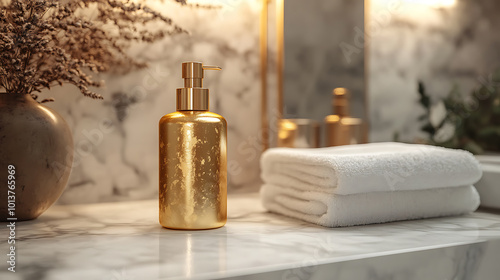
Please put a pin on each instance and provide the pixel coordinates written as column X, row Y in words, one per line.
column 341, row 129
column 192, row 99
column 341, row 102
column 193, row 170
column 280, row 56
column 193, row 96
column 298, row 133
column 263, row 75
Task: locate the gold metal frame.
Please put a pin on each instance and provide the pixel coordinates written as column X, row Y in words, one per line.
column 280, row 64
column 263, row 75
column 280, row 39
column 366, row 119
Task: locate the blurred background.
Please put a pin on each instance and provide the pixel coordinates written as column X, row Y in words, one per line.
column 121, row 163
column 448, row 45
column 381, row 50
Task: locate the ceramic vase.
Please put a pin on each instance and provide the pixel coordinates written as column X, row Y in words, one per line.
column 36, row 155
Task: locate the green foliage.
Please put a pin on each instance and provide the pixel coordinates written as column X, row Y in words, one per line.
column 475, row 117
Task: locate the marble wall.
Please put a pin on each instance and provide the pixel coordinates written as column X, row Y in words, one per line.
column 442, row 43
column 116, row 140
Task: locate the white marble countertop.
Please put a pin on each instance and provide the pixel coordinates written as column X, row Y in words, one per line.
column 118, row 241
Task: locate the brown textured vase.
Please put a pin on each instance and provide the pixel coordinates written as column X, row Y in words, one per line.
column 38, row 143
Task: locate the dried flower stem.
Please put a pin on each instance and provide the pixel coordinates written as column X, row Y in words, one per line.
column 47, row 43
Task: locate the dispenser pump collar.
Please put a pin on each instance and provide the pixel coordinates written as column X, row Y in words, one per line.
column 193, row 97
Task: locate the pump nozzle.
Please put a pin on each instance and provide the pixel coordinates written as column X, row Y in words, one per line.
column 211, row 68
column 193, row 96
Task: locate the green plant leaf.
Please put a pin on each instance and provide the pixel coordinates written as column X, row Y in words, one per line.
column 395, row 136
column 429, row 129
column 490, row 131
column 425, row 100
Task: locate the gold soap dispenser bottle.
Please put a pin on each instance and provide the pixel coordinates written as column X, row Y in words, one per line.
column 341, row 129
column 193, row 158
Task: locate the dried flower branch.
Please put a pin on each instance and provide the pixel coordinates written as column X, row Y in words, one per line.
column 46, row 43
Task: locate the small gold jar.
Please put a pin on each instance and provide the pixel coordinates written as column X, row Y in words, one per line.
column 298, row 133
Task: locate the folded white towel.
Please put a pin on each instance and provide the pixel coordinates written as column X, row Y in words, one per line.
column 369, row 168
column 367, row 208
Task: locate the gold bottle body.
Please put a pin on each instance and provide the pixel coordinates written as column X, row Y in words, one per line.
column 343, row 131
column 193, row 170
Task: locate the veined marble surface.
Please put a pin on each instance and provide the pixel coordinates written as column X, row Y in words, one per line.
column 116, row 140
column 454, row 43
column 123, row 240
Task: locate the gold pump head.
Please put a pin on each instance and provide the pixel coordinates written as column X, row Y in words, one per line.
column 193, row 97
column 341, row 102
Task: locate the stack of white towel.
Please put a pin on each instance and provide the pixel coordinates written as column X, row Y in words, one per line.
column 370, row 183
